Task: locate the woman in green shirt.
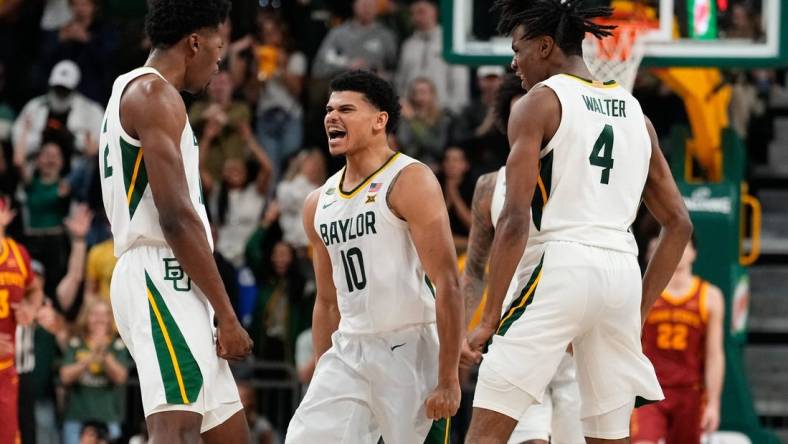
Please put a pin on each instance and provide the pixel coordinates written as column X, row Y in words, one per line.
column 95, row 369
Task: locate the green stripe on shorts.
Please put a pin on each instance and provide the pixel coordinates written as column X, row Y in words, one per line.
column 179, row 371
column 440, row 432
column 518, row 306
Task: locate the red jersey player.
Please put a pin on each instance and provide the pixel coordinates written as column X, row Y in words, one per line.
column 20, row 297
column 682, row 337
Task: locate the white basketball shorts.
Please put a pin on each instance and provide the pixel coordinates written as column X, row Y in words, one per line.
column 368, row 386
column 557, row 418
column 167, row 325
column 577, row 294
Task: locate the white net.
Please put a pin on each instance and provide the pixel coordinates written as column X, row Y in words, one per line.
column 616, row 57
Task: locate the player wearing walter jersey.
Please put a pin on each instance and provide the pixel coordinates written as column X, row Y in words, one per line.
column 557, row 418
column 584, row 155
column 388, row 346
column 19, row 297
column 682, row 337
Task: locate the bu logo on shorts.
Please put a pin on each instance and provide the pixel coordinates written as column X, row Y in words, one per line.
column 173, row 272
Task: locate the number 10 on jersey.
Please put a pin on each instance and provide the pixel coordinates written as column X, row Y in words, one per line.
column 353, row 263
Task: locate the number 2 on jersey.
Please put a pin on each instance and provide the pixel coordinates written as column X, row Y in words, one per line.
column 107, row 166
column 604, row 144
column 355, row 274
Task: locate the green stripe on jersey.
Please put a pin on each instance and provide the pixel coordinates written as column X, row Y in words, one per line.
column 538, row 202
column 129, row 154
column 429, row 285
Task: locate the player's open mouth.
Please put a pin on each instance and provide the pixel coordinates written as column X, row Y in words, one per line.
column 336, row 134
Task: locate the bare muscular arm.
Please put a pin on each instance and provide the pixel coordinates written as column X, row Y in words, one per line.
column 663, row 200
column 479, row 243
column 325, row 315
column 715, row 359
column 153, row 110
column 416, row 197
column 533, row 120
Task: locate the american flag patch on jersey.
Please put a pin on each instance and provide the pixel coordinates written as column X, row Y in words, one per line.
column 373, row 191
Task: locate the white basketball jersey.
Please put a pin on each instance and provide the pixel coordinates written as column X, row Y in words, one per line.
column 381, row 285
column 124, row 179
column 593, row 170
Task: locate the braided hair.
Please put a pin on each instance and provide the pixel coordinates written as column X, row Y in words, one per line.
column 566, row 21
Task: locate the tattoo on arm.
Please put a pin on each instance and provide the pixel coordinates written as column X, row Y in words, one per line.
column 479, row 243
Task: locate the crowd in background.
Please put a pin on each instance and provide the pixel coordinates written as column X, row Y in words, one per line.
column 262, row 150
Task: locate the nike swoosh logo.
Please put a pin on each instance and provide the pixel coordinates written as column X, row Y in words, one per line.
column 329, row 204
column 397, row 346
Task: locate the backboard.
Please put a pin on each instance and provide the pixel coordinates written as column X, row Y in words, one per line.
column 703, row 33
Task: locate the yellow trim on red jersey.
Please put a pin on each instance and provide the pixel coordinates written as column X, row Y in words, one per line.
column 703, row 305
column 4, row 253
column 20, row 260
column 678, row 300
column 6, row 363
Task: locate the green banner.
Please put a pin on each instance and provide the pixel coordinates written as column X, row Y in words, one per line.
column 702, row 18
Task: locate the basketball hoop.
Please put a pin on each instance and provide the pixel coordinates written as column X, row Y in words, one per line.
column 618, row 56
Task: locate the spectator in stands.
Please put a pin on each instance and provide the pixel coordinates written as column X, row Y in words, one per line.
column 9, row 176
column 51, row 335
column 220, row 123
column 683, row 338
column 98, row 273
column 260, row 429
column 60, row 108
column 95, row 366
column 93, row 432
column 475, row 127
column 282, row 309
column 307, row 172
column 305, row 359
column 261, row 242
column 476, row 119
column 46, row 204
column 227, row 272
column 360, row 43
column 88, row 42
column 279, row 72
column 238, row 200
column 458, row 192
column 422, row 57
column 424, row 128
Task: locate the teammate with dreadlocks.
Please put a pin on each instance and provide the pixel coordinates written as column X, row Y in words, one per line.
column 557, row 418
column 584, row 155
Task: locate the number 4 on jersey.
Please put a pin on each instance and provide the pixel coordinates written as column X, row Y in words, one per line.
column 604, row 144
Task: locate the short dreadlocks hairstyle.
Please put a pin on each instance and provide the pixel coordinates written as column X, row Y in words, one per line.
column 510, row 88
column 168, row 21
column 566, row 21
column 377, row 91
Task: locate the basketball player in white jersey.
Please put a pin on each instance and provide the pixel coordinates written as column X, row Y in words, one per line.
column 166, row 290
column 557, row 419
column 584, row 155
column 378, row 229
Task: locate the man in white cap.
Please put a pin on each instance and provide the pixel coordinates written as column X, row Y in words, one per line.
column 61, row 107
column 474, row 128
